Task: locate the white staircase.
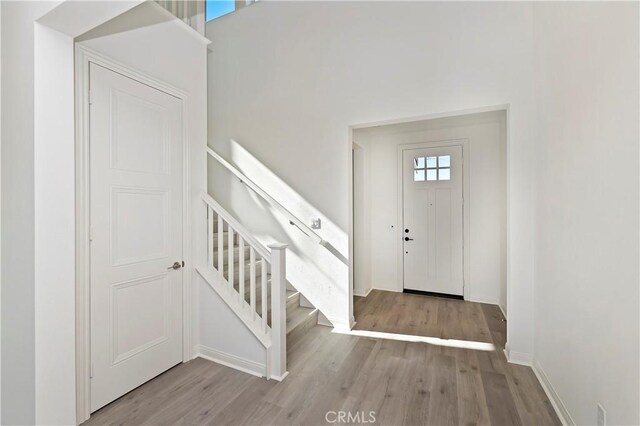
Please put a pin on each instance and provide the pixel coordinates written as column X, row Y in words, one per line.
column 255, row 286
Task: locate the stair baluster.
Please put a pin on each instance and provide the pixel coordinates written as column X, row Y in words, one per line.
column 220, row 248
column 252, row 282
column 230, row 250
column 241, row 268
column 264, row 311
column 266, row 318
column 210, row 216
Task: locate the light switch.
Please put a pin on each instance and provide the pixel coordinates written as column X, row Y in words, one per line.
column 316, row 223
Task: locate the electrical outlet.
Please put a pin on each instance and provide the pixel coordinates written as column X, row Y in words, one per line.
column 316, row 223
column 602, row 416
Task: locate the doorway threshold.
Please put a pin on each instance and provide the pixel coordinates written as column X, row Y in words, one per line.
column 429, row 293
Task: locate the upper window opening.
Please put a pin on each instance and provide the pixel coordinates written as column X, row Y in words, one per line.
column 432, row 168
column 216, row 8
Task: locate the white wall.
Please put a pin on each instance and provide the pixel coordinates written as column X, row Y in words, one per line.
column 362, row 279
column 24, row 133
column 0, row 211
column 288, row 79
column 54, row 234
column 222, row 331
column 18, row 281
column 38, row 355
column 587, row 306
column 485, row 201
column 167, row 50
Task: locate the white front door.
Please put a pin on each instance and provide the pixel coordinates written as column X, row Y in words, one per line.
column 432, row 215
column 136, row 233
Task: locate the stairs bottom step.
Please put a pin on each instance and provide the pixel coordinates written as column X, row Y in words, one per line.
column 299, row 321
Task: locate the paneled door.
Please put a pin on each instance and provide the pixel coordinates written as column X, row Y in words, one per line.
column 136, row 233
column 432, row 220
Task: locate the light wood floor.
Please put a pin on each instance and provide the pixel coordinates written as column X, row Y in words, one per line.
column 402, row 382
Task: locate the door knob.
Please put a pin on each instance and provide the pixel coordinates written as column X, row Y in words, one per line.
column 176, row 266
column 408, row 239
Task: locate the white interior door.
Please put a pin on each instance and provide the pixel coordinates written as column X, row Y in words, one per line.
column 432, row 216
column 136, row 221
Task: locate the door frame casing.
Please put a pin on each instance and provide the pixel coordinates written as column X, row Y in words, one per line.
column 83, row 57
column 466, row 207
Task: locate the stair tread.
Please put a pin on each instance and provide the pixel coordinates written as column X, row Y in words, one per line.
column 236, row 255
column 247, row 285
column 298, row 316
column 236, row 251
column 247, row 268
column 290, row 294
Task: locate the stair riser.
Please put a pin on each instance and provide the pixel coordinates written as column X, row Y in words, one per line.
column 236, row 257
column 247, row 291
column 247, row 273
column 225, row 242
column 247, row 288
column 298, row 332
column 235, row 245
column 293, row 301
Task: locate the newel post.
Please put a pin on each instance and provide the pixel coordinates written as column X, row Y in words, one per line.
column 278, row 311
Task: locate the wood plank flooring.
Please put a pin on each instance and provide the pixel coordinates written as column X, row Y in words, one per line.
column 403, row 382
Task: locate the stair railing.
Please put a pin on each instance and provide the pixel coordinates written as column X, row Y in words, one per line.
column 266, row 269
column 293, row 220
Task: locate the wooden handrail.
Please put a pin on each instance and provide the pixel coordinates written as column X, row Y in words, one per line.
column 293, row 220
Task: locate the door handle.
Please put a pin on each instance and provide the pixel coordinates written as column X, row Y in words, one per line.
column 176, row 266
column 408, row 239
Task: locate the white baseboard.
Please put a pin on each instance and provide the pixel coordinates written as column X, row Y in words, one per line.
column 341, row 326
column 232, row 361
column 528, row 361
column 363, row 294
column 280, row 378
column 554, row 398
column 519, row 358
column 322, row 320
column 304, row 302
column 503, row 312
column 478, row 300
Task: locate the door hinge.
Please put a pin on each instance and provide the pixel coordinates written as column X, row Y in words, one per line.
column 91, row 371
column 91, row 233
column 183, row 263
column 90, row 97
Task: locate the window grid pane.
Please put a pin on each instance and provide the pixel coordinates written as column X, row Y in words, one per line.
column 432, row 168
column 444, row 161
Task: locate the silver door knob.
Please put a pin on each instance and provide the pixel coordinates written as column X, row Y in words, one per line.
column 176, row 265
